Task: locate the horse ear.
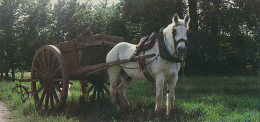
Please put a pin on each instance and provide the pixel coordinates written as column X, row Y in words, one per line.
column 187, row 19
column 175, row 18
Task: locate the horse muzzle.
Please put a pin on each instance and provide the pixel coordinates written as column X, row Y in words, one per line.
column 181, row 51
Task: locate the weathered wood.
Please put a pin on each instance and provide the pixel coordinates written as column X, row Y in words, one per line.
column 87, row 49
column 81, row 45
column 85, row 69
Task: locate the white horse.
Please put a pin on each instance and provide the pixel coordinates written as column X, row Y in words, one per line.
column 163, row 71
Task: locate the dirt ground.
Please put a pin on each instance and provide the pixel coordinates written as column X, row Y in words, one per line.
column 5, row 115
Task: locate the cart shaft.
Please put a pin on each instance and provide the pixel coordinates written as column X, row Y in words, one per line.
column 87, row 70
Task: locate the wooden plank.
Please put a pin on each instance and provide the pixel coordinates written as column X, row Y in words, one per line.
column 81, row 45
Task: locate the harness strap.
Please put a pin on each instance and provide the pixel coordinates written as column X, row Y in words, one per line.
column 144, row 44
column 164, row 52
column 145, row 71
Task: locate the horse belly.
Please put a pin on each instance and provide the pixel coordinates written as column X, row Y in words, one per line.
column 132, row 69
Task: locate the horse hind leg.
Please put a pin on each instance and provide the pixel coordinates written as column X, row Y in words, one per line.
column 127, row 81
column 114, row 73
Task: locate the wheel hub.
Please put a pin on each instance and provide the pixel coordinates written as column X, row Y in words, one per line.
column 47, row 79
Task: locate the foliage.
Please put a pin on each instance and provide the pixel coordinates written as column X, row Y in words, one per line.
column 150, row 15
column 224, row 39
column 197, row 99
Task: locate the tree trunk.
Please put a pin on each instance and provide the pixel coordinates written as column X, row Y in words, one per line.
column 180, row 8
column 6, row 73
column 214, row 38
column 1, row 78
column 13, row 72
column 193, row 15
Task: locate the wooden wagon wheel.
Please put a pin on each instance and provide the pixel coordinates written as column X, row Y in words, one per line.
column 49, row 78
column 23, row 91
column 96, row 86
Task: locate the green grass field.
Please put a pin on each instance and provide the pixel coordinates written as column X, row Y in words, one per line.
column 227, row 98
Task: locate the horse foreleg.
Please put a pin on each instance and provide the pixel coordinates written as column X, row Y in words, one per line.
column 171, row 83
column 159, row 93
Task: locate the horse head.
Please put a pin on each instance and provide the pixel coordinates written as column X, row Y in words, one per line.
column 180, row 30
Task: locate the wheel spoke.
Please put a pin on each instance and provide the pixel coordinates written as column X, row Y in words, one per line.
column 94, row 93
column 37, row 70
column 48, row 54
column 54, row 73
column 103, row 95
column 42, row 98
column 107, row 91
column 51, row 98
column 40, row 63
column 36, row 92
column 56, row 87
column 90, row 89
column 47, row 99
column 98, row 95
column 53, row 64
column 55, row 95
column 44, row 59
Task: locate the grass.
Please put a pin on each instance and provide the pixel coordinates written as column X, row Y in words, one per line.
column 228, row 98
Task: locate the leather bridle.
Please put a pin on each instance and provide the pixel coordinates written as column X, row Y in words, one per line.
column 176, row 42
column 164, row 52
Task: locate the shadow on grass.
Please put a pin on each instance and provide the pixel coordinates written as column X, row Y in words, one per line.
column 84, row 110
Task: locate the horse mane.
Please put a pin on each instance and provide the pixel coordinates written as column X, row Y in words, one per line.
column 168, row 28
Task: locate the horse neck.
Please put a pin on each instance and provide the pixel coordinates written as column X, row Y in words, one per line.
column 168, row 40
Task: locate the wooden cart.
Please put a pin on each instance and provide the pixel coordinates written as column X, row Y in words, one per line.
column 83, row 58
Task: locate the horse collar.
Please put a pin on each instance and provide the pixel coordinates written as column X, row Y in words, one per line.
column 164, row 52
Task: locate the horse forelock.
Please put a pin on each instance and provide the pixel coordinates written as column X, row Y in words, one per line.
column 171, row 26
column 180, row 22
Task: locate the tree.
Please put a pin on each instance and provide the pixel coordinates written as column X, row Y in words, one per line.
column 34, row 29
column 9, row 16
column 150, row 15
column 224, row 38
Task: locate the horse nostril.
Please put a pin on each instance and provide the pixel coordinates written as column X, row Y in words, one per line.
column 182, row 49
